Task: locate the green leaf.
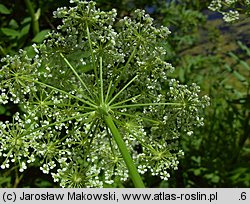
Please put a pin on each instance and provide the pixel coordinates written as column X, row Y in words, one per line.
column 25, row 30
column 13, row 24
column 197, row 172
column 245, row 48
column 26, row 20
column 212, row 177
column 2, row 110
column 38, row 14
column 4, row 9
column 5, row 181
column 215, row 179
column 196, row 159
column 228, row 68
column 239, row 76
column 236, row 58
column 85, row 68
column 245, row 65
column 41, row 183
column 236, row 173
column 30, row 51
column 40, row 36
column 10, row 32
column 181, row 75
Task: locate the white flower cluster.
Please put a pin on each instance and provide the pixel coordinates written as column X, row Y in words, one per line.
column 93, row 66
column 225, row 8
column 231, row 16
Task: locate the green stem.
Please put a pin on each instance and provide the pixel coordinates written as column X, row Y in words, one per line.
column 124, row 151
column 138, row 117
column 53, row 124
column 59, row 90
column 129, row 99
column 92, row 53
column 124, row 69
column 146, row 104
column 34, row 18
column 101, row 81
column 122, row 90
column 107, row 94
column 138, row 138
column 79, row 78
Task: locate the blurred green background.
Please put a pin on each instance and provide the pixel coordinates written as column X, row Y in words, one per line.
column 203, row 48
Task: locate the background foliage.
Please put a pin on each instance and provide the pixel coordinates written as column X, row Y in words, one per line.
column 218, row 154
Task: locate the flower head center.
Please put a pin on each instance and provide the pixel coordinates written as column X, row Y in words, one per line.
column 103, row 109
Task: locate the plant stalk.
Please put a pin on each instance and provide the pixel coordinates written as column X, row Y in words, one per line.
column 124, row 151
column 34, row 19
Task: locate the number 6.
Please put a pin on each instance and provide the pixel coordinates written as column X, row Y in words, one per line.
column 243, row 196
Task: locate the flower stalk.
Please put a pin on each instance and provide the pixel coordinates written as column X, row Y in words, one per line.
column 134, row 175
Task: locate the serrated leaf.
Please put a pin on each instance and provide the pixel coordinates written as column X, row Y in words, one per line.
column 40, row 36
column 4, row 9
column 10, row 32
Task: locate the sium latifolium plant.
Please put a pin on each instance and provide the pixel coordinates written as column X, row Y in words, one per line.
column 97, row 104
